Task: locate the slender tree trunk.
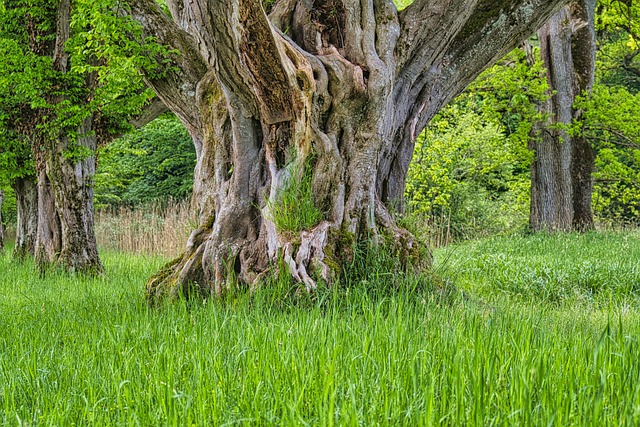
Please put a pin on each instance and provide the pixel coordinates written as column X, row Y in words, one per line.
column 27, row 221
column 583, row 51
column 326, row 94
column 561, row 182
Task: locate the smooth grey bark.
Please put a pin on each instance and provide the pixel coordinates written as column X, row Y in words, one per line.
column 561, row 181
column 27, row 216
column 341, row 88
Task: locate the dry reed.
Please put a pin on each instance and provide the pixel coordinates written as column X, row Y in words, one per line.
column 155, row 229
column 163, row 229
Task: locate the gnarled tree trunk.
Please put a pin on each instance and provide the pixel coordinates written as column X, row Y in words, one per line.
column 328, row 93
column 561, row 182
column 27, row 218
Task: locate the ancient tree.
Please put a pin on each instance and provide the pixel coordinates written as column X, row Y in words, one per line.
column 325, row 94
column 561, row 173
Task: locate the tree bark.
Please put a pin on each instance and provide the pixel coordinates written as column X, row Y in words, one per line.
column 71, row 184
column 328, row 93
column 561, row 182
column 27, row 221
column 48, row 239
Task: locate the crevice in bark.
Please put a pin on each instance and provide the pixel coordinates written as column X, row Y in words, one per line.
column 27, row 219
column 329, row 19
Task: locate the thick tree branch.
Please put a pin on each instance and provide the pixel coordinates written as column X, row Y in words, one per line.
column 248, row 60
column 427, row 28
column 177, row 85
column 149, row 113
column 443, row 46
column 491, row 31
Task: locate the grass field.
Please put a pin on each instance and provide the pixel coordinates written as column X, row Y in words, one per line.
column 539, row 330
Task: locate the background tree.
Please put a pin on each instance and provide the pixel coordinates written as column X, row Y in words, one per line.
column 561, row 174
column 339, row 98
column 17, row 173
column 62, row 101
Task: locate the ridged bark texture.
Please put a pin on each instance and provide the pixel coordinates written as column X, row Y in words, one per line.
column 66, row 224
column 27, row 219
column 325, row 94
column 561, row 181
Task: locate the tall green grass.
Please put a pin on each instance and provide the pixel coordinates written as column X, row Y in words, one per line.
column 79, row 351
column 294, row 209
column 601, row 268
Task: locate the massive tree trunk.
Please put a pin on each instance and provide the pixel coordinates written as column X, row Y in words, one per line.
column 27, row 218
column 561, row 182
column 329, row 95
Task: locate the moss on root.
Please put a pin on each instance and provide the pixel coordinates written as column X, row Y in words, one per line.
column 159, row 283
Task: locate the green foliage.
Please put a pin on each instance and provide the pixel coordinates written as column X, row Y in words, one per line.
column 155, row 162
column 401, row 4
column 294, row 209
column 617, row 186
column 471, row 165
column 611, row 125
column 618, row 25
column 80, row 351
column 467, row 171
column 40, row 100
column 9, row 214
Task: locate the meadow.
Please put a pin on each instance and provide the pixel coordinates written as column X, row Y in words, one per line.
column 520, row 330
